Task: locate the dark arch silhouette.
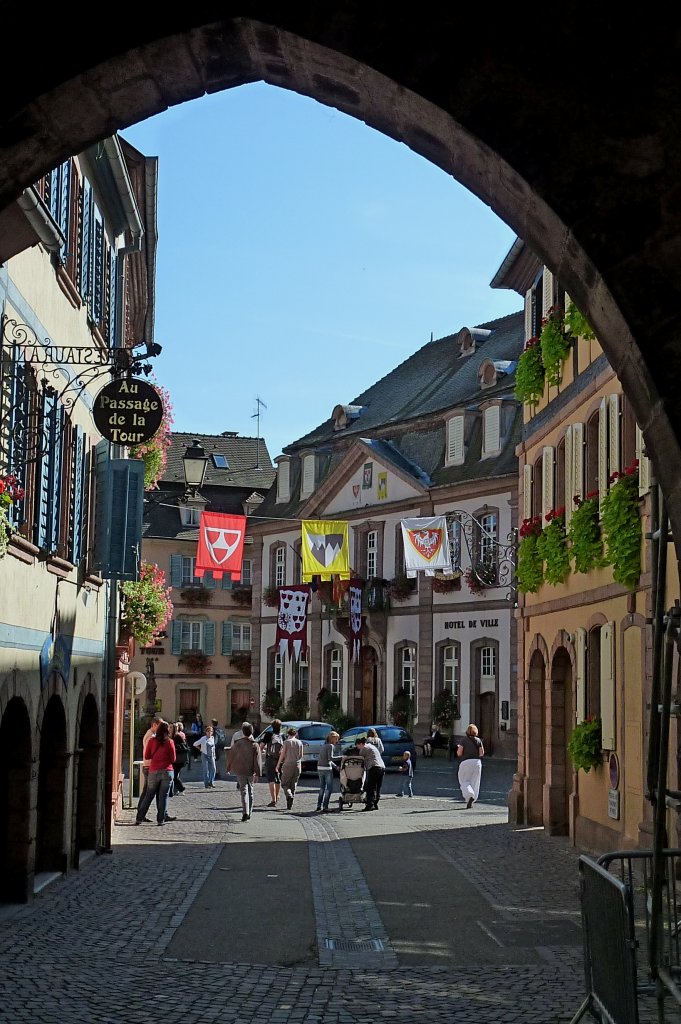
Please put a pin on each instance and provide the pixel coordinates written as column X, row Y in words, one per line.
column 16, row 868
column 88, row 754
column 582, row 163
column 50, row 853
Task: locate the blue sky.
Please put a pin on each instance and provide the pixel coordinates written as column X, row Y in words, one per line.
column 302, row 256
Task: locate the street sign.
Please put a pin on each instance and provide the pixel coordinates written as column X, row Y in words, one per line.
column 136, row 683
column 128, row 411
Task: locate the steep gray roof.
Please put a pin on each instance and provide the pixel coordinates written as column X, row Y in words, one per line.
column 249, row 462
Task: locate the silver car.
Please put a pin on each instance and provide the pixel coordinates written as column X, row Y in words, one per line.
column 313, row 736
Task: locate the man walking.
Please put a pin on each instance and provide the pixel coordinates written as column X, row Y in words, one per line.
column 375, row 769
column 244, row 761
column 290, row 765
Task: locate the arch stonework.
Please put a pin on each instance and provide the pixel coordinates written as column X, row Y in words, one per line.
column 596, row 200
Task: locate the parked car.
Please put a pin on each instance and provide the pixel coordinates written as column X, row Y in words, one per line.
column 394, row 738
column 313, row 735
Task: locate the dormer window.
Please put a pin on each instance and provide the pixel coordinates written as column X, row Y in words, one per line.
column 466, row 343
column 342, row 415
column 190, row 515
column 283, row 480
column 308, row 474
column 487, row 374
column 491, row 435
column 455, row 440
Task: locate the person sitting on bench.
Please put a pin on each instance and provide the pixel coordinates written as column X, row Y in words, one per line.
column 435, row 739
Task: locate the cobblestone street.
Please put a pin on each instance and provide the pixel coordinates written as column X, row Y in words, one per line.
column 421, row 909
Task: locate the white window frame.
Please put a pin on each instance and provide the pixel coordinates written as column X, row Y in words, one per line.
column 487, row 449
column 408, row 670
column 372, row 554
column 188, row 567
column 192, row 635
column 190, row 515
column 247, row 572
column 488, row 663
column 489, row 535
column 278, row 673
column 307, row 480
column 280, row 566
column 283, row 481
column 241, row 636
column 335, row 671
column 451, row 669
column 455, row 441
column 303, row 672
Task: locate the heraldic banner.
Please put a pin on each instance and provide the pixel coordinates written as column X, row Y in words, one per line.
column 426, row 545
column 291, row 635
column 325, row 549
column 221, row 545
column 356, row 588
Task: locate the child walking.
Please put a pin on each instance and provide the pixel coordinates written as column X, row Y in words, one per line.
column 407, row 773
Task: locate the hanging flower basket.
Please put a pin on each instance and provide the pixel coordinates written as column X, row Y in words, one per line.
column 584, row 534
column 401, row 588
column 241, row 661
column 154, row 453
column 242, row 595
column 146, row 604
column 577, row 324
column 555, row 345
column 443, row 583
column 584, row 747
column 10, row 492
column 553, row 548
column 622, row 527
column 195, row 662
column 270, row 597
column 196, row 595
column 530, row 374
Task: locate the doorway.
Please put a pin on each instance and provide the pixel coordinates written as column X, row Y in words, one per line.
column 16, row 881
column 87, row 803
column 369, row 686
column 50, row 850
column 488, row 718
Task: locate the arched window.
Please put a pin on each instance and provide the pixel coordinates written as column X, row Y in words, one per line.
column 275, row 671
column 448, row 669
column 406, row 667
column 333, row 669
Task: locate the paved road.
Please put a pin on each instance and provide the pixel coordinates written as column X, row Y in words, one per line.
column 423, row 909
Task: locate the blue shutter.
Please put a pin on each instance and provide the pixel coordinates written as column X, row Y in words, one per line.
column 86, row 241
column 176, row 637
column 54, row 475
column 111, row 311
column 20, row 388
column 226, row 581
column 98, row 271
column 76, row 511
column 209, row 581
column 226, row 637
column 119, row 507
column 176, row 570
column 43, row 492
column 209, row 638
column 64, row 207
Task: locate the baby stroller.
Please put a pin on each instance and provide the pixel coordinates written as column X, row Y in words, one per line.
column 352, row 778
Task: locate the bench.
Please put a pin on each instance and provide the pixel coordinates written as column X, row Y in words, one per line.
column 447, row 744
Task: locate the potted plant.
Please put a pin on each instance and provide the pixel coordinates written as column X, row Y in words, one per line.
column 146, row 604
column 584, row 746
column 297, row 706
column 402, row 709
column 577, row 324
column 480, row 576
column 530, row 374
column 154, row 453
column 10, row 492
column 622, row 526
column 553, row 548
column 555, row 345
column 272, row 703
column 270, row 597
column 444, row 710
column 530, row 569
column 241, row 661
column 328, row 702
column 196, row 595
column 401, row 587
column 584, row 534
column 195, row 661
column 445, row 583
column 242, row 595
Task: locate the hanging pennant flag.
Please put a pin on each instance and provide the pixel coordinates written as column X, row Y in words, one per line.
column 426, row 545
column 325, row 549
column 356, row 587
column 291, row 635
column 221, row 545
column 339, row 589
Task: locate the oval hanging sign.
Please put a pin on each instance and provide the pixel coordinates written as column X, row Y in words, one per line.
column 128, row 411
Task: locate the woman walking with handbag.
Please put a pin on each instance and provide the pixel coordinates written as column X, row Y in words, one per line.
column 470, row 751
column 207, row 747
column 182, row 756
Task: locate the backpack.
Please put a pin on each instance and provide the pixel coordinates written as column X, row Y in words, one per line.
column 274, row 746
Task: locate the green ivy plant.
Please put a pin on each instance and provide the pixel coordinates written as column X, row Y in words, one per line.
column 529, row 374
column 530, row 569
column 555, row 345
column 577, row 324
column 584, row 746
column 553, row 548
column 622, row 527
column 584, row 535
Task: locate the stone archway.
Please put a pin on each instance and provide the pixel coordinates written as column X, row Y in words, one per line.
column 16, row 808
column 559, row 717
column 535, row 729
column 50, row 853
column 87, row 770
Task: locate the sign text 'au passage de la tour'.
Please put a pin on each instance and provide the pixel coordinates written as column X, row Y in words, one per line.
column 128, row 411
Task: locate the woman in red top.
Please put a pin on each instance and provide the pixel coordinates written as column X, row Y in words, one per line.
column 161, row 754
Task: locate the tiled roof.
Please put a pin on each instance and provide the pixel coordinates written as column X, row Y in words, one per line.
column 249, row 462
column 162, row 516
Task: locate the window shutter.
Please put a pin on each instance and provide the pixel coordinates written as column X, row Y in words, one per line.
column 527, row 491
column 76, row 517
column 547, row 479
column 176, row 570
column 112, row 273
column 547, row 291
column 569, row 475
column 578, row 459
column 209, row 581
column 491, row 429
column 209, row 638
column 283, row 484
column 120, row 498
column 613, row 434
column 86, row 240
column 308, row 474
column 602, row 452
column 56, row 429
column 226, row 581
column 246, row 637
column 580, row 671
column 175, row 635
column 643, row 463
column 608, row 685
column 455, row 439
column 98, row 265
column 226, row 638
column 528, row 315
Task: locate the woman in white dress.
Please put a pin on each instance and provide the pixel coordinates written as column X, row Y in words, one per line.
column 470, row 751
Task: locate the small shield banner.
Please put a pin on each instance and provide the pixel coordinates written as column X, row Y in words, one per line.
column 426, row 545
column 221, row 545
column 356, row 587
column 291, row 637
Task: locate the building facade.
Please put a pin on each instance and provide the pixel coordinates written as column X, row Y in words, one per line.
column 76, row 283
column 436, row 436
column 584, row 634
column 202, row 666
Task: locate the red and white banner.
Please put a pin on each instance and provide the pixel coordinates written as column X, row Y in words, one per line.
column 426, row 545
column 356, row 587
column 291, row 635
column 221, row 545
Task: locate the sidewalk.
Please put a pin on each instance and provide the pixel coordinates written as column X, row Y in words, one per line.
column 421, row 909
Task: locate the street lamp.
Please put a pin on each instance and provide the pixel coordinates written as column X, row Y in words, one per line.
column 195, row 462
